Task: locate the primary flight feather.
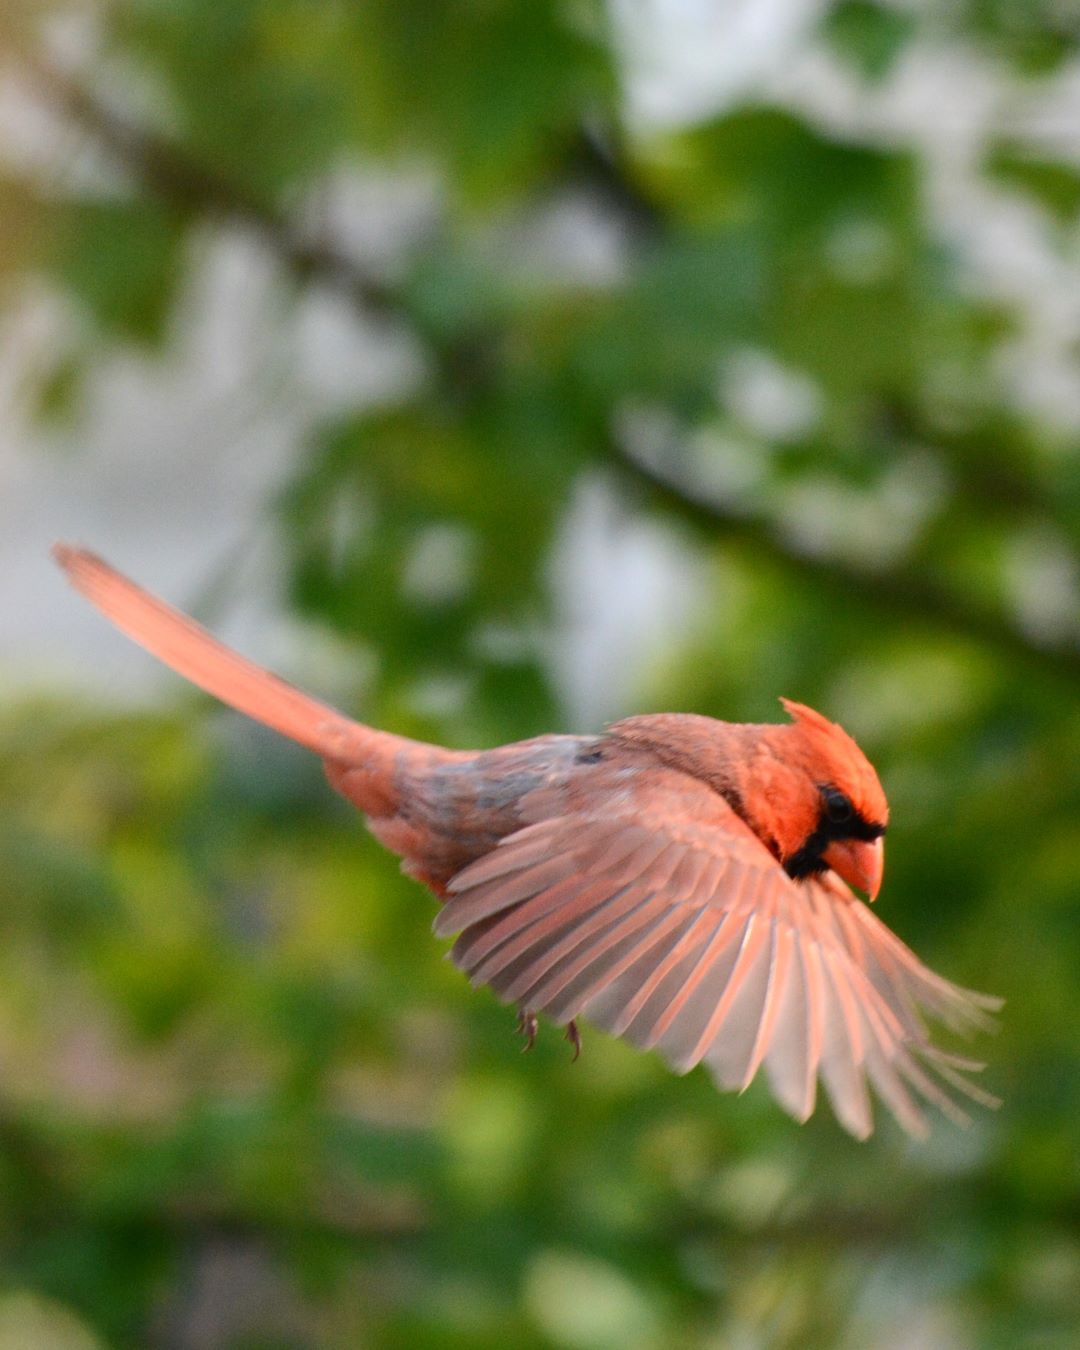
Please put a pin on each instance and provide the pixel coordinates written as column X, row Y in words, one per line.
column 677, row 880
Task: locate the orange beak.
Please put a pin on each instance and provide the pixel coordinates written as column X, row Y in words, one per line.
column 859, row 862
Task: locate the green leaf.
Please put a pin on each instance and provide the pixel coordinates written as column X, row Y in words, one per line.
column 1034, row 39
column 772, row 171
column 57, row 396
column 1054, row 184
column 868, row 36
column 505, row 87
column 259, row 88
column 123, row 261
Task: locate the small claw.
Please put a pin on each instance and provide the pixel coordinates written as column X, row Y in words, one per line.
column 527, row 1025
column 573, row 1035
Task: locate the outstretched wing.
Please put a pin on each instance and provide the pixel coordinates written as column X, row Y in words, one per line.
column 652, row 910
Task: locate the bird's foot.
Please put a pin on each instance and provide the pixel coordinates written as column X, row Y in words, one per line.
column 573, row 1035
column 527, row 1025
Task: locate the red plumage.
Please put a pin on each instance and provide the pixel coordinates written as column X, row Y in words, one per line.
column 677, row 880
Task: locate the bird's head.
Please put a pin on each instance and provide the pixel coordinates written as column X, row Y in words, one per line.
column 821, row 801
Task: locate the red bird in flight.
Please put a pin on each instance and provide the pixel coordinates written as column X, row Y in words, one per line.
column 677, row 880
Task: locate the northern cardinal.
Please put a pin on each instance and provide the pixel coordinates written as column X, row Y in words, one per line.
column 677, row 880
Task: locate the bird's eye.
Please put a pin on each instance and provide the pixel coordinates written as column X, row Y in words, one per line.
column 837, row 807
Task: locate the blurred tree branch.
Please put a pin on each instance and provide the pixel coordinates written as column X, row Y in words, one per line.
column 163, row 168
column 906, row 594
column 175, row 178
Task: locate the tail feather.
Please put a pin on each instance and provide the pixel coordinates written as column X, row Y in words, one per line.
column 191, row 651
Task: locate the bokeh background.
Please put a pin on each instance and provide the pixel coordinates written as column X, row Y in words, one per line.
column 493, row 368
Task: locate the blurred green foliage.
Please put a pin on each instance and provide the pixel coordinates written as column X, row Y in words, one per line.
column 244, row 1097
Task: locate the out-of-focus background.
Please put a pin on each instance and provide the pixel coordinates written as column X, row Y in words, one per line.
column 493, row 368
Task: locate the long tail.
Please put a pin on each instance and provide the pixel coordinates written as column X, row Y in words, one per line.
column 192, row 652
